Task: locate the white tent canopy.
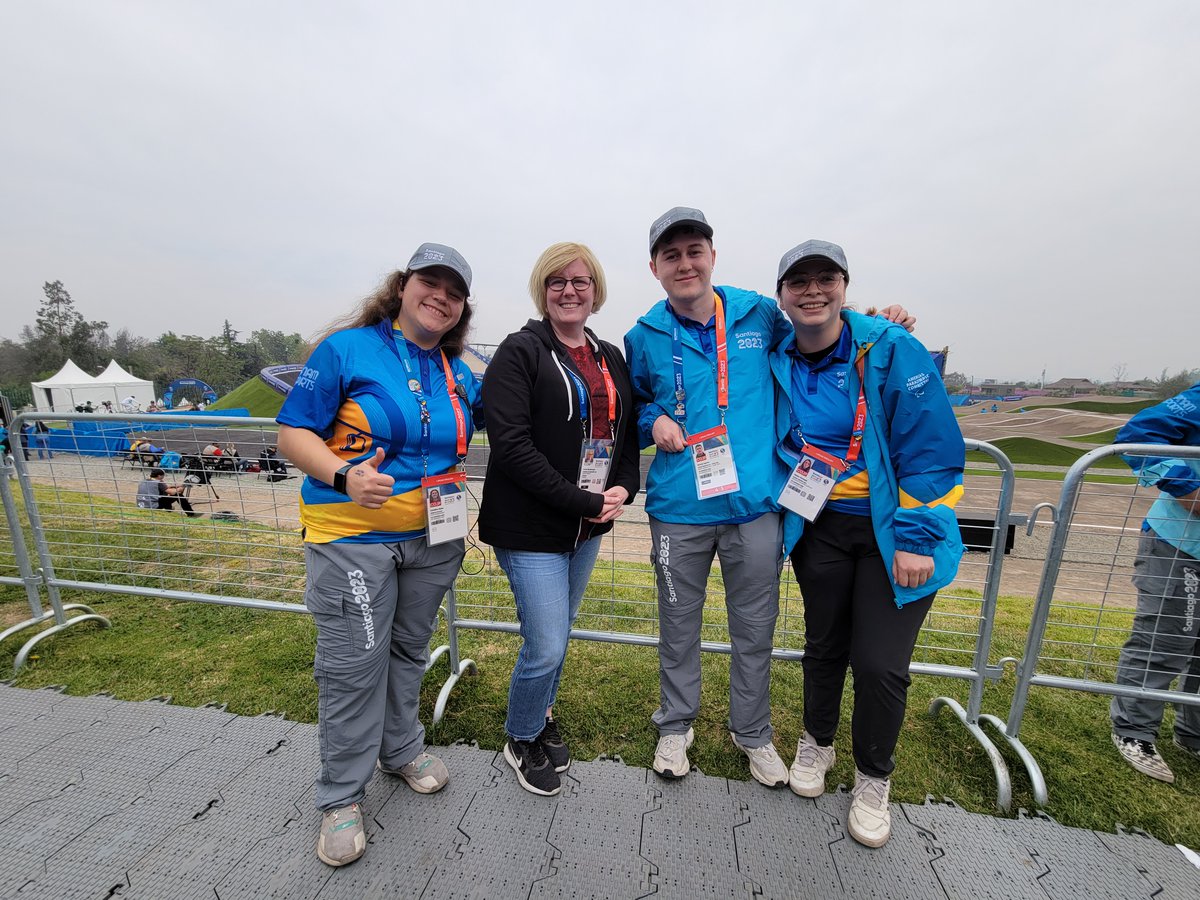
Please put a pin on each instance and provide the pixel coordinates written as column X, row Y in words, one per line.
column 71, row 387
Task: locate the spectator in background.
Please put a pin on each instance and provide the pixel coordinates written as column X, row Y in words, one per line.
column 270, row 463
column 1163, row 644
column 154, row 493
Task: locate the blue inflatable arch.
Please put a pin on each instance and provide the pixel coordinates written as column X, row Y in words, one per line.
column 207, row 394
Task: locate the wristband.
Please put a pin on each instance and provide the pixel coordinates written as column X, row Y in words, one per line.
column 339, row 478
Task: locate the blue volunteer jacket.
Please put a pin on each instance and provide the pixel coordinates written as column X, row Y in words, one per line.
column 912, row 446
column 1174, row 421
column 753, row 323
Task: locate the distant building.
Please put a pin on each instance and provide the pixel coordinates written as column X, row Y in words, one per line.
column 1072, row 387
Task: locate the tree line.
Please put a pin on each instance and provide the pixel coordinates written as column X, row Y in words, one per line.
column 61, row 332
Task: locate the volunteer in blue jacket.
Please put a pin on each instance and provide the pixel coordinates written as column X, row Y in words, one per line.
column 876, row 462
column 1163, row 644
column 702, row 382
column 563, row 465
column 379, row 419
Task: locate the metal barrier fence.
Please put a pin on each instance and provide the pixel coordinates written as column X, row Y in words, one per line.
column 245, row 550
column 1086, row 602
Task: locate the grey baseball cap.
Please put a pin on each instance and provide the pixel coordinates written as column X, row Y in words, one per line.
column 813, row 250
column 430, row 255
column 680, row 215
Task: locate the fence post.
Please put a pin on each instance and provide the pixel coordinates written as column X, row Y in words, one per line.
column 29, row 578
column 58, row 610
column 458, row 667
column 983, row 642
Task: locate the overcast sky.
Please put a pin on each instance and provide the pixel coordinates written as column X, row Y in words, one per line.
column 1021, row 175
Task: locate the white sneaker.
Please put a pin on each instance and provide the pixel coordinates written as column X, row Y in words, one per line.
column 1143, row 756
column 765, row 764
column 807, row 774
column 870, row 819
column 670, row 756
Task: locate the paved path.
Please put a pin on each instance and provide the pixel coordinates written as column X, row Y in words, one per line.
column 104, row 799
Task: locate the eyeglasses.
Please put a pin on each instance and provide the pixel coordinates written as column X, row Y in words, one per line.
column 579, row 282
column 825, row 281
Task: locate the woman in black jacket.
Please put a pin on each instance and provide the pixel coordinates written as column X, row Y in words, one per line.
column 563, row 463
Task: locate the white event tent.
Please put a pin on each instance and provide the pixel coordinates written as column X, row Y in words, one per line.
column 71, row 387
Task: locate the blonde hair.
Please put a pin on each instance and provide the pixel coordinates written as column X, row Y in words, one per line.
column 557, row 257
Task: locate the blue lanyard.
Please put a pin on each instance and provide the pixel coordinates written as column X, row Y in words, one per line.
column 677, row 362
column 400, row 346
column 581, row 390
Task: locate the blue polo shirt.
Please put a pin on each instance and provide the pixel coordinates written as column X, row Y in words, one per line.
column 823, row 415
column 354, row 394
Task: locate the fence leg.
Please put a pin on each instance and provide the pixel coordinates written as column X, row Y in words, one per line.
column 1036, row 780
column 999, row 767
column 20, row 553
column 58, row 610
column 458, row 667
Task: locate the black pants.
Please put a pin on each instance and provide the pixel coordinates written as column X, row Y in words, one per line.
column 166, row 502
column 851, row 618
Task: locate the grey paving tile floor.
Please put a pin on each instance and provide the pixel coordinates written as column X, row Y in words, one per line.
column 108, row 800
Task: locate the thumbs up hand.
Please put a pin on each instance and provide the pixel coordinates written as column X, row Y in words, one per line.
column 366, row 485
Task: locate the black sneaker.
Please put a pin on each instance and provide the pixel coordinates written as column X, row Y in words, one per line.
column 534, row 770
column 555, row 747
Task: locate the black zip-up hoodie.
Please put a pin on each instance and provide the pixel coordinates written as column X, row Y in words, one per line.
column 531, row 500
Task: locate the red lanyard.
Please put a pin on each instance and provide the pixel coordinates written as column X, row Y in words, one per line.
column 460, row 420
column 611, row 389
column 722, row 360
column 860, row 419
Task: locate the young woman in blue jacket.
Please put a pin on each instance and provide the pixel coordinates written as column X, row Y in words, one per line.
column 876, row 460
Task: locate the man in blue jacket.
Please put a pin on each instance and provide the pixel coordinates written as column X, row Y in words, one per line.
column 1163, row 644
column 705, row 397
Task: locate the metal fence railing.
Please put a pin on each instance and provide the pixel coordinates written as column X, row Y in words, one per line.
column 1086, row 601
column 85, row 533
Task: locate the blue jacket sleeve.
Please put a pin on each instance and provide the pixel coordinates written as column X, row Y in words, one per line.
column 1174, row 421
column 646, row 410
column 925, row 444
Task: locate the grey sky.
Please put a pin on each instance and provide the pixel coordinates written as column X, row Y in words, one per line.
column 1022, row 175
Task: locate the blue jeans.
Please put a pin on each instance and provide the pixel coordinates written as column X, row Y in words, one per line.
column 548, row 588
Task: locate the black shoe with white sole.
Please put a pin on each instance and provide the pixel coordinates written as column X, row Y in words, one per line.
column 534, row 769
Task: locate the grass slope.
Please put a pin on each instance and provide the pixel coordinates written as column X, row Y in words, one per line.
column 1111, row 407
column 1035, row 452
column 255, row 396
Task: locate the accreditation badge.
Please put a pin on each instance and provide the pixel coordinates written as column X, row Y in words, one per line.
column 810, row 482
column 445, row 507
column 595, row 458
column 712, row 461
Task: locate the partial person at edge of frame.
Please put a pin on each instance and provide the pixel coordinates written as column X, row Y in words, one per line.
column 876, row 459
column 563, row 464
column 391, row 368
column 1163, row 644
column 708, row 403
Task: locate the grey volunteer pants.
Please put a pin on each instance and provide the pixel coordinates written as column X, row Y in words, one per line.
column 751, row 557
column 1163, row 644
column 375, row 606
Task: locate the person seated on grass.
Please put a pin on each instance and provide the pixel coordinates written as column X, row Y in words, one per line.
column 1162, row 645
column 154, row 493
